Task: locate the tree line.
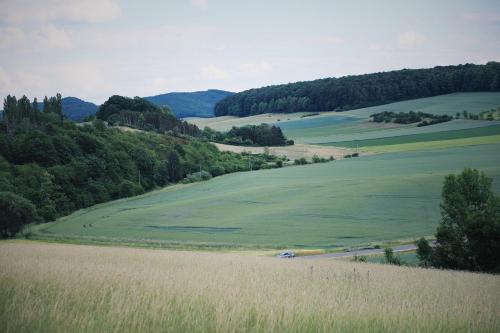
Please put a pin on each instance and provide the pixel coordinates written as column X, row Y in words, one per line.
column 424, row 119
column 139, row 113
column 50, row 166
column 249, row 135
column 357, row 91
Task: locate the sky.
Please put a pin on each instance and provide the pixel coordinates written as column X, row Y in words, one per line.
column 93, row 49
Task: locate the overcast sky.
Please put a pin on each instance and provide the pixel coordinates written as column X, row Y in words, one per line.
column 93, row 49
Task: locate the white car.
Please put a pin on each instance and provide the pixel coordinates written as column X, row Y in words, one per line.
column 286, row 254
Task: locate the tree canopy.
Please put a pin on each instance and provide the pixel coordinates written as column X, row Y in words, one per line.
column 468, row 236
column 139, row 113
column 249, row 135
column 357, row 91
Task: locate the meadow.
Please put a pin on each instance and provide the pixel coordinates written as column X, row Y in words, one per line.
column 357, row 201
column 332, row 127
column 432, row 136
column 71, row 288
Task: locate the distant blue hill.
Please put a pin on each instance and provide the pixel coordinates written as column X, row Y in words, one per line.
column 74, row 108
column 77, row 109
column 191, row 104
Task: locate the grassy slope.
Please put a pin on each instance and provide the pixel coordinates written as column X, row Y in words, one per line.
column 353, row 125
column 69, row 288
column 473, row 102
column 438, row 144
column 423, row 137
column 343, row 203
column 365, row 130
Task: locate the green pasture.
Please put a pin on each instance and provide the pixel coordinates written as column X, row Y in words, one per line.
column 472, row 102
column 423, row 137
column 342, row 203
column 364, row 130
column 438, row 144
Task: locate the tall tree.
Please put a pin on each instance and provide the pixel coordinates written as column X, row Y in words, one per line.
column 46, row 105
column 468, row 236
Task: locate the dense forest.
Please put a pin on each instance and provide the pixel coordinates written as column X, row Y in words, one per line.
column 250, row 135
column 142, row 114
column 351, row 92
column 50, row 166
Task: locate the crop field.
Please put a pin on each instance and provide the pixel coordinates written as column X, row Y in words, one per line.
column 72, row 288
column 365, row 130
column 432, row 136
column 328, row 127
column 472, row 102
column 292, row 152
column 438, row 144
column 329, row 205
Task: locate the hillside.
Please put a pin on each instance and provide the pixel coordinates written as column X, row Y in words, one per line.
column 50, row 167
column 190, row 104
column 358, row 91
column 141, row 114
column 328, row 205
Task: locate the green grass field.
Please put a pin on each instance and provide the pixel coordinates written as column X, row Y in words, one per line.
column 438, row 144
column 343, row 203
column 365, row 130
column 424, row 137
column 472, row 102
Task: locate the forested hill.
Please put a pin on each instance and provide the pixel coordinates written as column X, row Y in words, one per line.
column 139, row 113
column 191, row 104
column 50, row 166
column 352, row 92
column 77, row 109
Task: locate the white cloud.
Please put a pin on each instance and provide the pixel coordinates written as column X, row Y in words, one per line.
column 4, row 81
column 213, row 72
column 11, row 36
column 327, row 40
column 376, row 46
column 168, row 35
column 481, row 17
column 200, row 4
column 50, row 36
column 410, row 40
column 33, row 11
column 255, row 69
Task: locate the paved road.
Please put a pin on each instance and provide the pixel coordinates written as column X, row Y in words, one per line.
column 353, row 253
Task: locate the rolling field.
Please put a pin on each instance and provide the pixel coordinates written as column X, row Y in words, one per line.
column 472, row 102
column 437, row 144
column 292, row 152
column 365, row 130
column 433, row 136
column 354, row 125
column 355, row 201
column 71, row 288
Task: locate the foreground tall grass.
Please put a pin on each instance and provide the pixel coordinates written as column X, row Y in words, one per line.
column 71, row 288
